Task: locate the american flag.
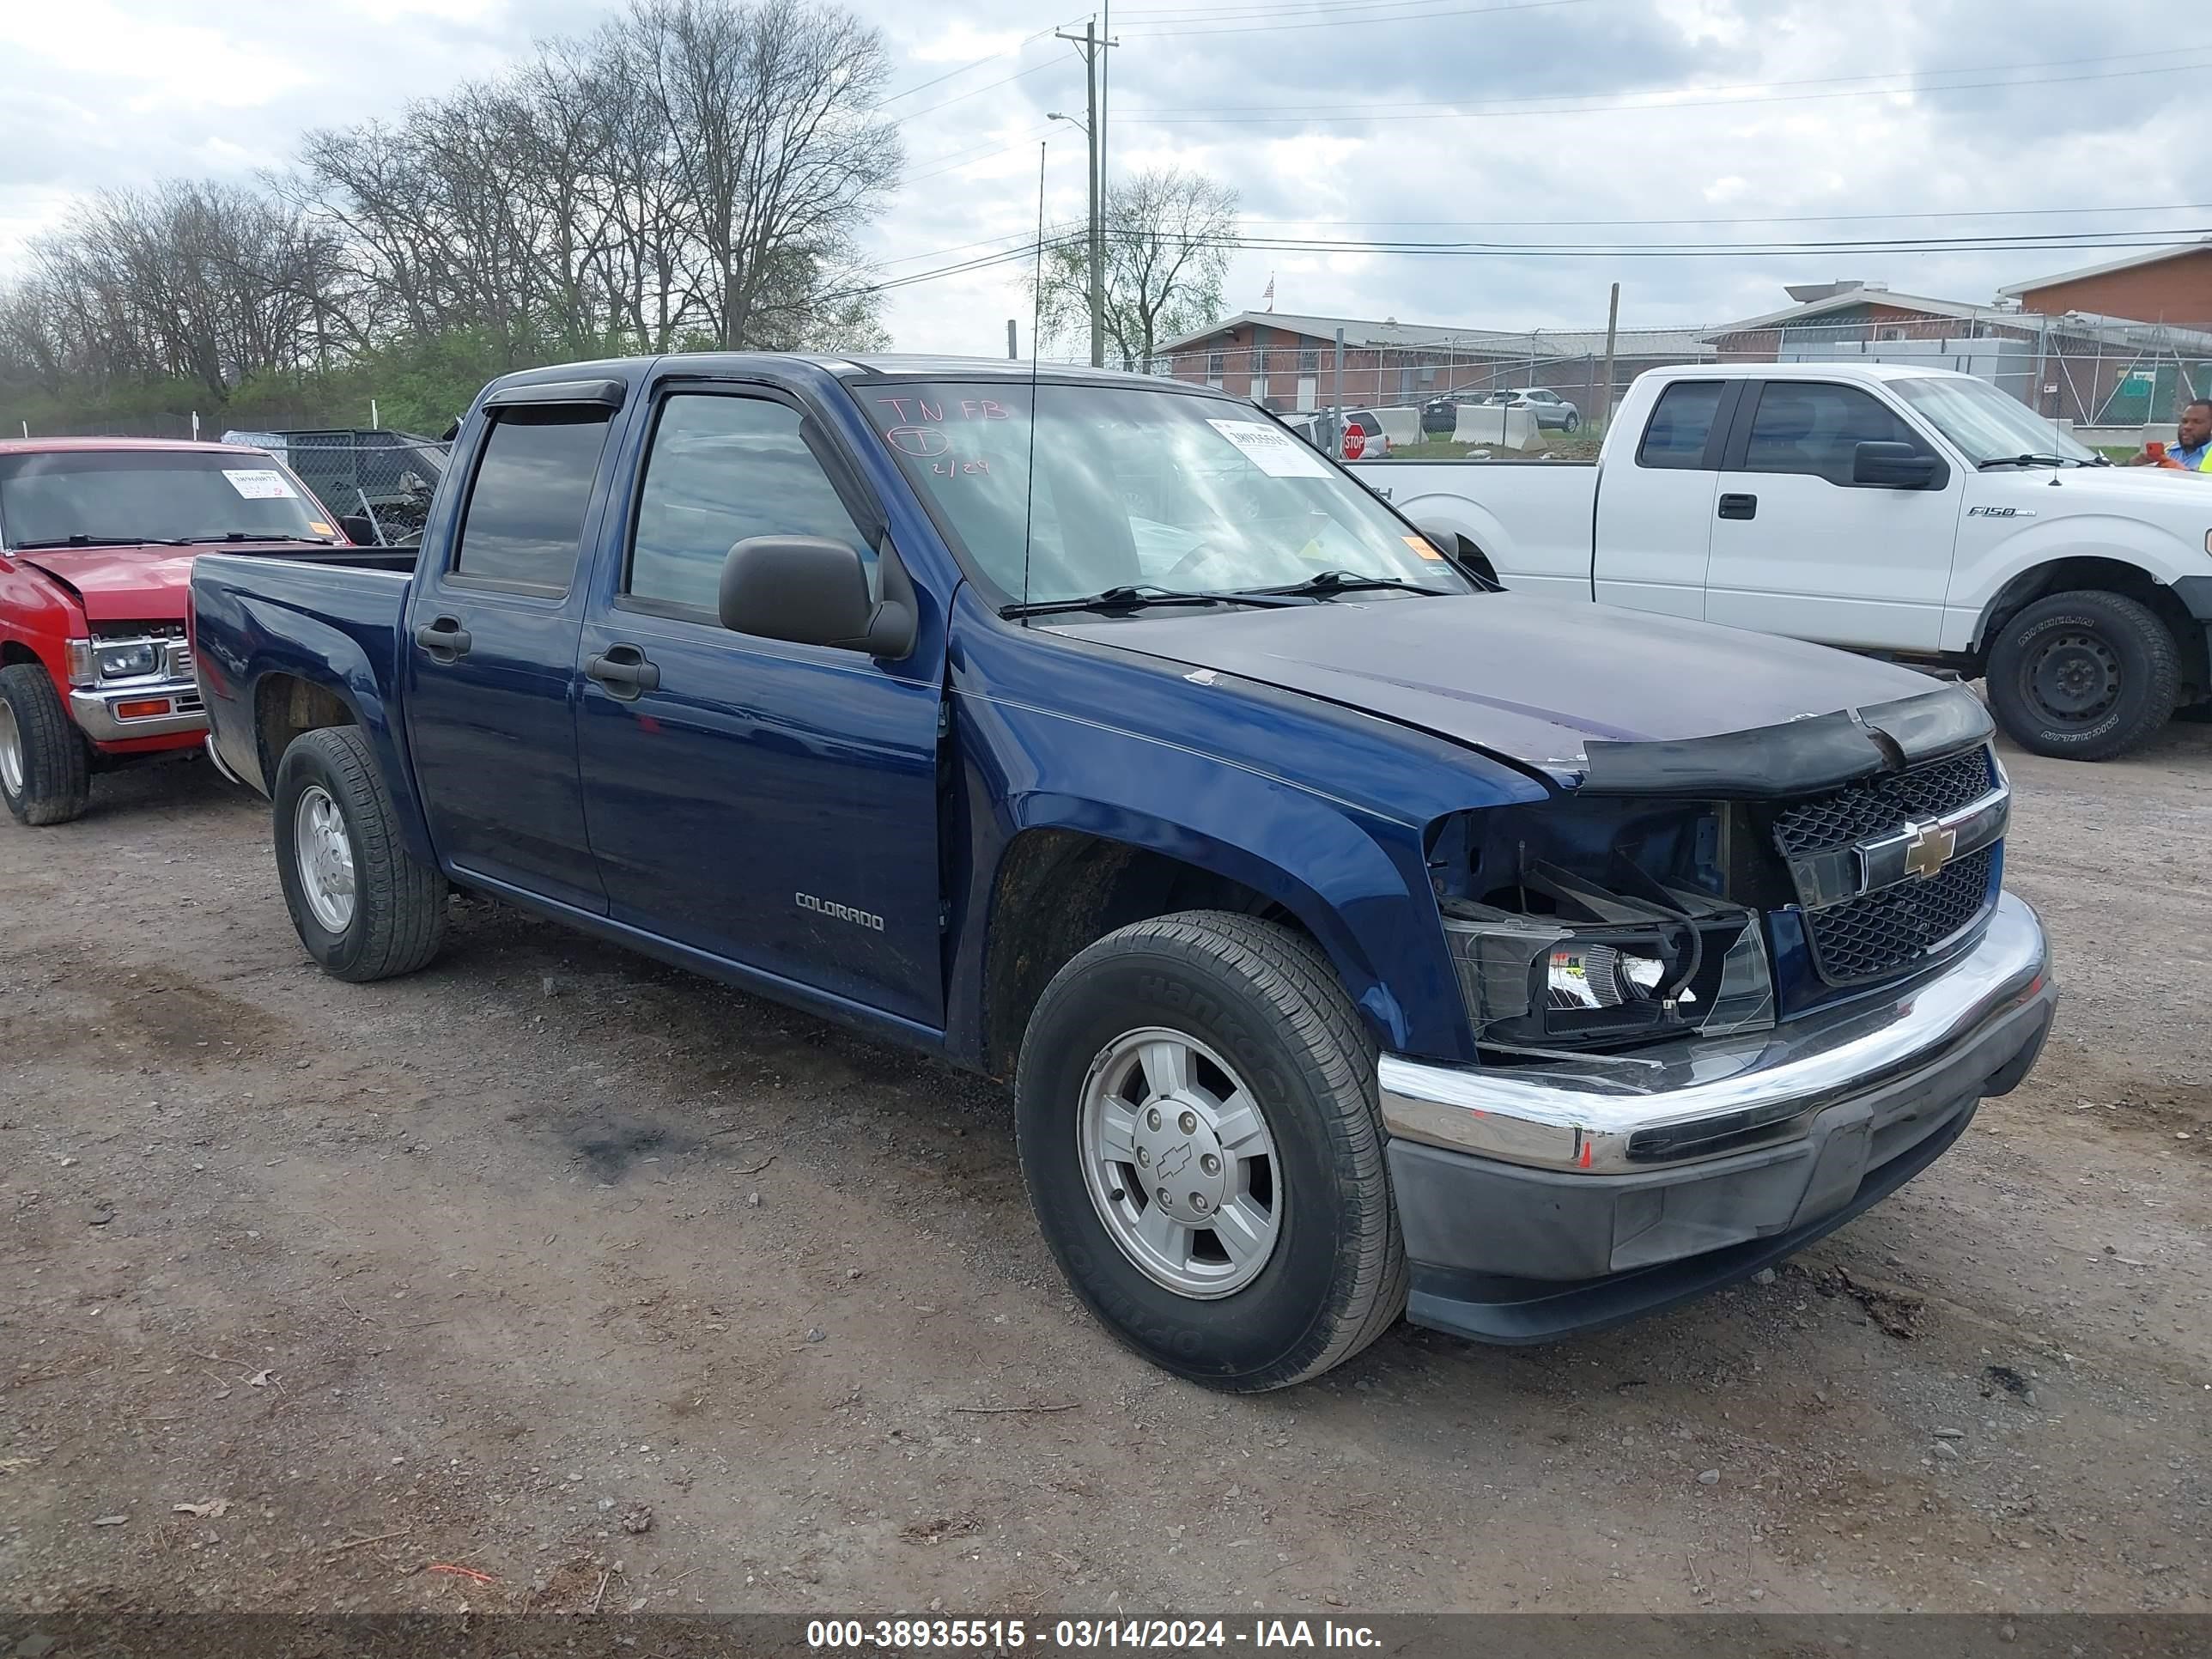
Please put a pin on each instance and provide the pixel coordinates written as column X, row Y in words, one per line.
column 1268, row 292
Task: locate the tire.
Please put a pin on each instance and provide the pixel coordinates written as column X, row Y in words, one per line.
column 1250, row 1003
column 46, row 773
column 393, row 919
column 1572, row 423
column 2083, row 676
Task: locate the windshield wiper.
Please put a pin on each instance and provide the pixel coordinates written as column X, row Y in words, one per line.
column 253, row 535
column 1347, row 581
column 1131, row 596
column 2037, row 460
column 97, row 541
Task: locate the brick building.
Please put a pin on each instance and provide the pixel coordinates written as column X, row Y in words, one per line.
column 1288, row 362
column 2171, row 286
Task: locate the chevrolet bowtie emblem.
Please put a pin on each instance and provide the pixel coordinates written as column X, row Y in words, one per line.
column 1928, row 847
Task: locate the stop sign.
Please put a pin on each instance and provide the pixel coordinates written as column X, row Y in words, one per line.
column 1355, row 441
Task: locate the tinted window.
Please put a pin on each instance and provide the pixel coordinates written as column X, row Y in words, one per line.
column 723, row 470
column 525, row 515
column 1817, row 429
column 1680, row 425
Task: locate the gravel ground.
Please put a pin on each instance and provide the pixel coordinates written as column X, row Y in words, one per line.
column 617, row 1288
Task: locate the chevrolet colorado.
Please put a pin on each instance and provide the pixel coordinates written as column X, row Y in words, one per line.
column 1357, row 939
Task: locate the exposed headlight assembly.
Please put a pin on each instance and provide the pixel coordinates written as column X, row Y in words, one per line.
column 1606, row 966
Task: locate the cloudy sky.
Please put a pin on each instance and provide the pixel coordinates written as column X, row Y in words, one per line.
column 1559, row 121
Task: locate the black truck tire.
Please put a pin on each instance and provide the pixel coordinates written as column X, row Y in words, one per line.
column 363, row 907
column 2084, row 676
column 1261, row 1021
column 45, row 775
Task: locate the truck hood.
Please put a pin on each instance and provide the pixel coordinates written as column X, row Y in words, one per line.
column 2152, row 492
column 131, row 584
column 1568, row 690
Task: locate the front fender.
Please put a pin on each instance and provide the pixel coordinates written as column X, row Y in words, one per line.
column 1353, row 879
column 1981, row 572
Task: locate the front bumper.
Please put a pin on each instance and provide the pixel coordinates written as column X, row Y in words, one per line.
column 1538, row 1204
column 99, row 711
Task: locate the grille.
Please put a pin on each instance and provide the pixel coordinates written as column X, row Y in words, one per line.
column 1876, row 806
column 180, row 660
column 1880, row 933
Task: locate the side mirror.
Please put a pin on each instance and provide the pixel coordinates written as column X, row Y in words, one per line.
column 812, row 591
column 358, row 529
column 1893, row 465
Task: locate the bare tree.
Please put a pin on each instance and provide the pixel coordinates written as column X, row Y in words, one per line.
column 1168, row 237
column 767, row 110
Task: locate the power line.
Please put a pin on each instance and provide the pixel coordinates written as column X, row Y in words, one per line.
column 988, row 57
column 1759, row 219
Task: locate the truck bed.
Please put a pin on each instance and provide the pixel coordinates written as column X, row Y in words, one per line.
column 1534, row 521
column 344, row 606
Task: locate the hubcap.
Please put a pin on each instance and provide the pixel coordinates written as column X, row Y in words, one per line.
column 11, row 750
column 2075, row 679
column 325, row 856
column 1179, row 1162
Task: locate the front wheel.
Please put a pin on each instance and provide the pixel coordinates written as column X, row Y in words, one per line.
column 1196, row 1115
column 1572, row 423
column 44, row 771
column 2084, row 676
column 362, row 905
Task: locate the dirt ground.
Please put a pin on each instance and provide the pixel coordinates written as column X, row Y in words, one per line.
column 615, row 1288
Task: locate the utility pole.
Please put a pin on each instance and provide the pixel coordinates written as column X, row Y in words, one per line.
column 1091, row 44
column 1612, row 335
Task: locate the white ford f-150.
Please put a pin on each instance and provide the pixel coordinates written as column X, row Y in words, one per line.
column 1913, row 513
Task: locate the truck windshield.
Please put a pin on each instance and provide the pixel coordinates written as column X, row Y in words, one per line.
column 1989, row 425
column 122, row 496
column 1138, row 489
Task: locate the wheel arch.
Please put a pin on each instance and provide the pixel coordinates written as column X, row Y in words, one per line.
column 2096, row 573
column 1059, row 886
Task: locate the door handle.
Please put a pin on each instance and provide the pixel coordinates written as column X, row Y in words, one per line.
column 444, row 638
column 1739, row 506
column 624, row 670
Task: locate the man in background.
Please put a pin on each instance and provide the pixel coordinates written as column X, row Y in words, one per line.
column 2192, row 448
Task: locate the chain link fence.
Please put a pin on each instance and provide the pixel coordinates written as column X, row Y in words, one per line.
column 2113, row 382
column 378, row 483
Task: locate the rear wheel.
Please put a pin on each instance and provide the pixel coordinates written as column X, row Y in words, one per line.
column 2084, row 676
column 44, row 770
column 1196, row 1114
column 362, row 905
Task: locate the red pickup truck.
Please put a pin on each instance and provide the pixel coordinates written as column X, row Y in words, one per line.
column 97, row 538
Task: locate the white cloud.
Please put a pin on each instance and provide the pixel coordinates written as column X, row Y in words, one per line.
column 111, row 92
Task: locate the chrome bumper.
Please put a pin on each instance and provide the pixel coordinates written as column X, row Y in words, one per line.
column 93, row 710
column 1709, row 1097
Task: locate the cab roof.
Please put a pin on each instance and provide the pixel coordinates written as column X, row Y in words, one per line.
column 60, row 445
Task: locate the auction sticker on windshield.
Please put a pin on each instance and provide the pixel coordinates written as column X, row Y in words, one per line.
column 259, row 484
column 1272, row 450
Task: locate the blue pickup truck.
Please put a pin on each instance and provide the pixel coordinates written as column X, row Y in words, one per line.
column 1358, row 938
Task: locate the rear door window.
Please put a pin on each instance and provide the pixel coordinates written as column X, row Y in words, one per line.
column 1681, row 426
column 523, row 529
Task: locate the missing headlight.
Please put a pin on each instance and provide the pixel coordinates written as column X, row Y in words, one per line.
column 1606, row 965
